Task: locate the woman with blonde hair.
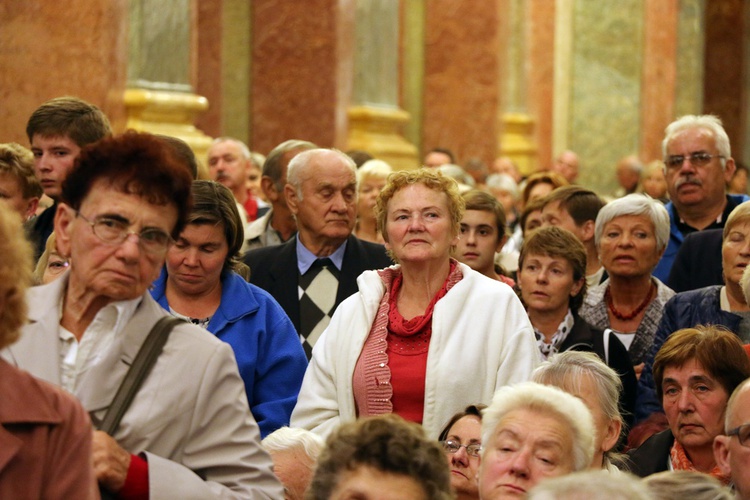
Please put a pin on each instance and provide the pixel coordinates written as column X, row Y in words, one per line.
column 424, row 338
column 371, row 178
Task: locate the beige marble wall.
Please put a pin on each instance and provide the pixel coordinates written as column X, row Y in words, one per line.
column 689, row 58
column 49, row 49
column 605, row 100
column 461, row 82
column 160, row 45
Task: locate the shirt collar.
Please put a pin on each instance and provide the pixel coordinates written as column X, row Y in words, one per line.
column 305, row 257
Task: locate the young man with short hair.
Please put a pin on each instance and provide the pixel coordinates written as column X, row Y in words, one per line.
column 575, row 209
column 483, row 234
column 57, row 131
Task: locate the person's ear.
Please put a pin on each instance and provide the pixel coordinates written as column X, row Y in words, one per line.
column 31, row 205
column 291, row 199
column 63, row 229
column 612, row 436
column 587, row 230
column 729, row 169
column 721, row 454
column 576, row 288
column 501, row 243
column 269, row 189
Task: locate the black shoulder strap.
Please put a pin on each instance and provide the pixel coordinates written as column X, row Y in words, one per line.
column 139, row 370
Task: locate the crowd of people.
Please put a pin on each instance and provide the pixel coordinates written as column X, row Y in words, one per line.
column 317, row 324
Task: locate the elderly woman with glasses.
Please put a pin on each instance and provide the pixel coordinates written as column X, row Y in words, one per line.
column 188, row 431
column 462, row 441
column 631, row 234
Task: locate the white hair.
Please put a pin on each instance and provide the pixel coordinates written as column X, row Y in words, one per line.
column 686, row 484
column 458, row 174
column 503, row 182
column 591, row 484
column 377, row 169
column 635, row 204
column 291, row 438
column 299, row 163
column 244, row 150
column 548, row 400
column 567, row 369
column 710, row 123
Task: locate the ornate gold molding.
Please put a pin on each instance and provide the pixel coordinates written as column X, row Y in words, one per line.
column 517, row 141
column 377, row 130
column 169, row 113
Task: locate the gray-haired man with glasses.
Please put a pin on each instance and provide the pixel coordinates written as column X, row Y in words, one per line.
column 698, row 164
column 732, row 451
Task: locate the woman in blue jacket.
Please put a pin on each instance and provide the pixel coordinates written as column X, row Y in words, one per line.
column 203, row 282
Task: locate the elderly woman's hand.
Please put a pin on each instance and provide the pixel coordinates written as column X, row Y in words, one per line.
column 111, row 462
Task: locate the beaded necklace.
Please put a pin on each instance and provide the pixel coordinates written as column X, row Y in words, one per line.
column 627, row 317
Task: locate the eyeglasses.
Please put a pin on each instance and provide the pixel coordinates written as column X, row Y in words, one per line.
column 115, row 231
column 698, row 159
column 743, row 434
column 453, row 446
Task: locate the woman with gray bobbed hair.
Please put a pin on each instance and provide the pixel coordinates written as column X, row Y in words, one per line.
column 631, row 234
column 585, row 376
column 531, row 432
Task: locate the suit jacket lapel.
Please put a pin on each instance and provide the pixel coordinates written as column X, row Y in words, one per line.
column 284, row 274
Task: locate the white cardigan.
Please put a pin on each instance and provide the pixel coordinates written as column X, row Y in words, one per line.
column 481, row 340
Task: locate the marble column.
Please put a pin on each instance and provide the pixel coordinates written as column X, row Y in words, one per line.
column 375, row 118
column 462, row 94
column 51, row 49
column 160, row 97
column 516, row 140
column 302, row 64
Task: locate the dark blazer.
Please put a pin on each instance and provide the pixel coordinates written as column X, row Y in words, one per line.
column 698, row 262
column 651, row 457
column 274, row 269
column 584, row 337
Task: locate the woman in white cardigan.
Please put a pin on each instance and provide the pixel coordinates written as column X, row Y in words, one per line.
column 424, row 338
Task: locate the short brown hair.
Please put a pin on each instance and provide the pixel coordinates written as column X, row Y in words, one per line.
column 136, row 163
column 430, row 178
column 528, row 209
column 15, row 275
column 18, row 161
column 483, row 201
column 554, row 241
column 389, row 444
column 69, row 117
column 718, row 350
column 581, row 204
column 214, row 204
column 552, row 178
column 469, row 411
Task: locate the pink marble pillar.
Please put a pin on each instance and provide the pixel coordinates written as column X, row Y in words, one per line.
column 50, row 49
column 301, row 72
column 461, row 78
column 659, row 74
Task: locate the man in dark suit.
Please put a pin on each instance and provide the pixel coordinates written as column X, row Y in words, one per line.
column 311, row 274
